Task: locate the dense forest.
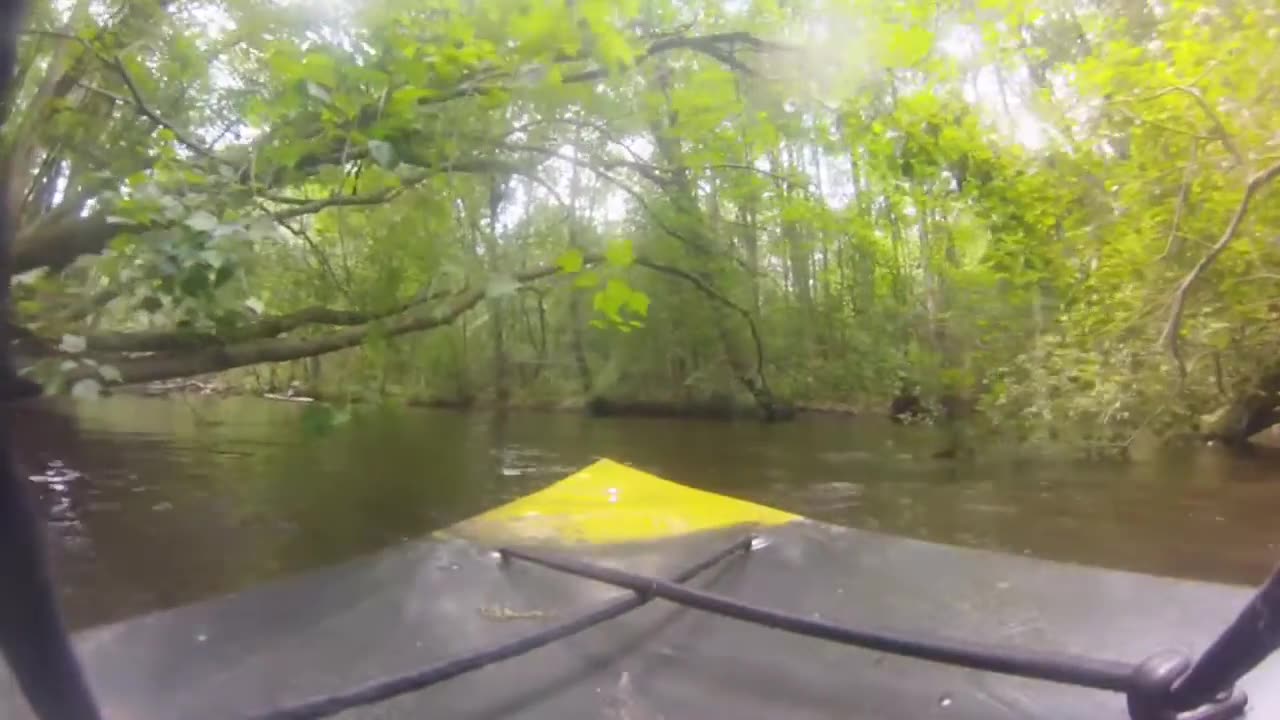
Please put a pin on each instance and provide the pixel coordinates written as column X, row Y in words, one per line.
column 1054, row 216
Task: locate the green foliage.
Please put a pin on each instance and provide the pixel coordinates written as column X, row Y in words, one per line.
column 995, row 201
column 320, row 419
column 570, row 261
column 621, row 305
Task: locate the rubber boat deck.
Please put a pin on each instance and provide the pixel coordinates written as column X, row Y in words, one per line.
column 449, row 595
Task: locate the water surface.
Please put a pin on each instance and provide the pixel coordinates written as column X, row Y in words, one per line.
column 157, row 502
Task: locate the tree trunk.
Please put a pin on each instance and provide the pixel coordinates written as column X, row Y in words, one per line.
column 797, row 249
column 749, row 234
column 497, row 305
column 684, row 197
column 750, row 239
column 577, row 315
column 1248, row 415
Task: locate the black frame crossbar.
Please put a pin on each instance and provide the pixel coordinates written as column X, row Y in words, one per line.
column 387, row 688
column 1165, row 686
column 1067, row 669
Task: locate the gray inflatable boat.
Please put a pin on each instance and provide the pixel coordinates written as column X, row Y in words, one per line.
column 616, row 594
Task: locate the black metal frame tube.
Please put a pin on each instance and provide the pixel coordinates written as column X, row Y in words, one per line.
column 387, row 688
column 1053, row 667
column 1165, row 685
column 1242, row 646
column 1161, row 686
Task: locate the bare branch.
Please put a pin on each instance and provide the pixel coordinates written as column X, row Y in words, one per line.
column 1170, row 335
column 789, row 182
column 314, row 206
column 644, row 169
column 1183, row 193
column 302, row 206
column 706, row 289
column 1167, row 128
column 320, row 254
column 720, row 46
column 1219, row 128
column 188, row 141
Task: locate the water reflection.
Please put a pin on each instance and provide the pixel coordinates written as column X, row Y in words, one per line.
column 158, row 502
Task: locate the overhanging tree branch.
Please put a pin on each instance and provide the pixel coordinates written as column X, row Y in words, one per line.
column 55, row 244
column 1220, row 130
column 1183, row 193
column 274, row 325
column 706, row 289
column 1171, row 329
column 175, row 353
column 312, row 207
column 227, row 355
column 722, row 47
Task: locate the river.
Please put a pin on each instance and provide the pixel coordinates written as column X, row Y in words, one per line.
column 156, row 502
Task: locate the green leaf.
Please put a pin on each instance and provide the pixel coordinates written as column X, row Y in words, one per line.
column 223, row 275
column 201, row 221
column 383, row 153
column 194, row 281
column 638, row 303
column 73, row 344
column 620, row 253
column 908, row 45
column 613, row 50
column 319, row 68
column 86, row 389
column 602, row 303
column 571, row 261
column 318, row 92
column 588, row 279
column 318, row 419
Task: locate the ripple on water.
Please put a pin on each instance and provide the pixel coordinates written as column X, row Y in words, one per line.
column 833, row 495
column 56, row 474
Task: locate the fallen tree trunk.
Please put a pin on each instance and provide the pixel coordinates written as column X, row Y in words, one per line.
column 1246, row 416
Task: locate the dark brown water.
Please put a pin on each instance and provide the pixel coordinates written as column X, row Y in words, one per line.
column 158, row 502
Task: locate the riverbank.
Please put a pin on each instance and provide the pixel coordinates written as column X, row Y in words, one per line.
column 715, row 408
column 729, row 410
